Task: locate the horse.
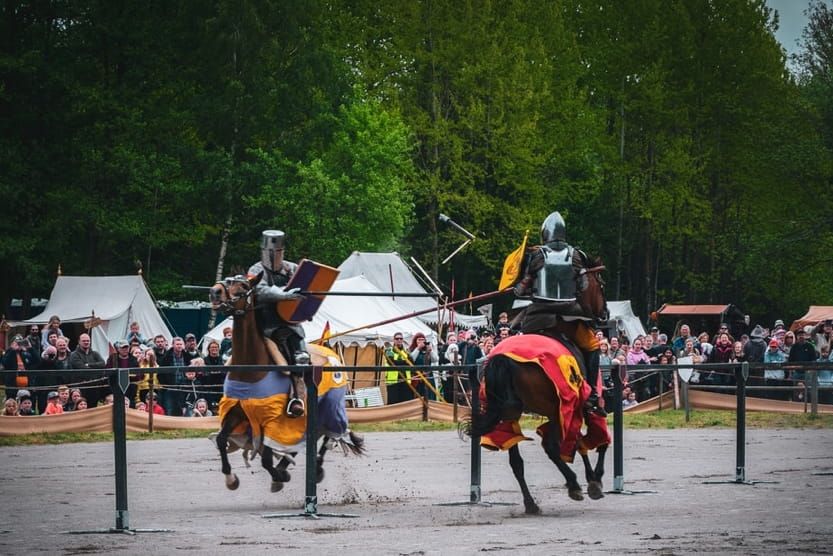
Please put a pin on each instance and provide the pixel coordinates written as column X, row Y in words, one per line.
column 272, row 431
column 543, row 375
column 546, row 378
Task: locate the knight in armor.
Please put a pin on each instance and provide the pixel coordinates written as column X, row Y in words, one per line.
column 288, row 338
column 550, row 280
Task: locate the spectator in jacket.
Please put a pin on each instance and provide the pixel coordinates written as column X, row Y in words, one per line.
column 396, row 380
column 756, row 346
column 802, row 352
column 774, row 377
column 86, row 361
column 17, row 358
column 637, row 355
column 173, row 400
column 679, row 342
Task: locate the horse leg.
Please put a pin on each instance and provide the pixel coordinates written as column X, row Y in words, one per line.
column 279, row 474
column 517, row 464
column 230, row 422
column 553, row 449
column 319, row 461
column 594, row 486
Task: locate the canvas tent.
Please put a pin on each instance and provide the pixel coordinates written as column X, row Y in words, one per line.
column 626, row 321
column 815, row 315
column 116, row 300
column 388, row 270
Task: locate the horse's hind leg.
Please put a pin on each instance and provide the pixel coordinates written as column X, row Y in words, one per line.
column 279, row 474
column 517, row 464
column 594, row 475
column 594, row 486
column 319, row 461
column 553, row 449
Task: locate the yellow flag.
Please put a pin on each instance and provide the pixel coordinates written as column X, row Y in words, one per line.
column 325, row 335
column 512, row 265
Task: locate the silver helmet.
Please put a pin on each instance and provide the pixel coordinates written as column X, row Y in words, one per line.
column 553, row 229
column 271, row 249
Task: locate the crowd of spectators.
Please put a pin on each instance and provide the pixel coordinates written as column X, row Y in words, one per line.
column 655, row 348
column 76, row 380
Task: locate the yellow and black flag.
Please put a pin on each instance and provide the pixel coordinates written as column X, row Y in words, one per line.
column 512, row 265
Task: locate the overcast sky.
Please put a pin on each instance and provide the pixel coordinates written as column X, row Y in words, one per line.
column 791, row 21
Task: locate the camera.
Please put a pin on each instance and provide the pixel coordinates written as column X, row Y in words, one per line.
column 25, row 344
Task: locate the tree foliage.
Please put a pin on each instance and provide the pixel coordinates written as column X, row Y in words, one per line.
column 669, row 134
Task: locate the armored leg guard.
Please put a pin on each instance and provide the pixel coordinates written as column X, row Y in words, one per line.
column 591, row 360
column 296, row 406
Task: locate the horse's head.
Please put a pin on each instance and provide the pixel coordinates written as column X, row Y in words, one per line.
column 234, row 295
column 591, row 289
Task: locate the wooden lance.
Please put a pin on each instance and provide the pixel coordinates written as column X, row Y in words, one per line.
column 481, row 297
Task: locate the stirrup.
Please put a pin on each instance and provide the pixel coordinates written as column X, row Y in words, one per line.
column 302, row 358
column 299, row 410
column 591, row 405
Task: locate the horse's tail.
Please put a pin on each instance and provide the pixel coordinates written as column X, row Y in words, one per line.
column 349, row 442
column 356, row 444
column 498, row 377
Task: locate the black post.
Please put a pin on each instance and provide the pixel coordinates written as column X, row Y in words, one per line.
column 618, row 431
column 119, row 381
column 312, row 378
column 475, row 492
column 118, row 385
column 311, row 497
column 741, row 373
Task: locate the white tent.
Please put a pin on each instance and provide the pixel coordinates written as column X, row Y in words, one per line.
column 347, row 312
column 388, row 270
column 626, row 321
column 116, row 300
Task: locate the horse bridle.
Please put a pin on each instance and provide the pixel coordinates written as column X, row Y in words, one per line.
column 597, row 270
column 230, row 306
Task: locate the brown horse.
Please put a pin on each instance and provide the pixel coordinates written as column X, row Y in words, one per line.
column 542, row 375
column 557, row 393
column 236, row 297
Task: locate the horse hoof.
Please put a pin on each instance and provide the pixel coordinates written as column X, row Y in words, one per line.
column 594, row 490
column 232, row 482
column 282, row 476
column 576, row 494
column 319, row 474
column 532, row 509
column 277, row 486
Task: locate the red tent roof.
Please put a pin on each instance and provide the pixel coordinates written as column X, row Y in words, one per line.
column 815, row 315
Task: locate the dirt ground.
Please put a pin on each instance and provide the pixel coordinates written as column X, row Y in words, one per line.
column 394, row 492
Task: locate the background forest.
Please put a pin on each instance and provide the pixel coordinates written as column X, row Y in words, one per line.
column 670, row 135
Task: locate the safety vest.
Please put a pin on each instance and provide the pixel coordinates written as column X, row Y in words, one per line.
column 397, row 358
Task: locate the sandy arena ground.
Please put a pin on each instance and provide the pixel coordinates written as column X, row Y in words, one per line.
column 177, row 484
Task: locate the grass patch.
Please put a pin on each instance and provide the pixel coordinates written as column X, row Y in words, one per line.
column 668, row 419
column 40, row 438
